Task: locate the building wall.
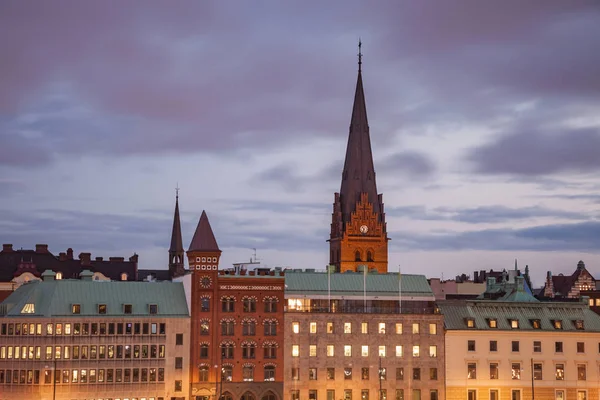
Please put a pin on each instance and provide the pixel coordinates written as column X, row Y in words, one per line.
column 356, row 339
column 458, row 357
column 37, row 362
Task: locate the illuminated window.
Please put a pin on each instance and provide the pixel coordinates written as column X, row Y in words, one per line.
column 28, row 308
column 471, row 371
column 312, row 374
column 364, row 327
column 347, row 327
column 557, row 323
column 416, row 351
column 516, row 371
column 313, row 327
column 560, row 372
column 330, row 327
column 101, row 308
column 330, row 374
column 295, row 350
column 364, row 351
column 581, row 372
column 347, row 350
column 312, row 350
column 493, row 323
column 536, row 324
column 76, row 309
column 470, row 323
column 123, row 276
column 415, row 328
column 296, row 327
column 59, row 275
column 514, row 323
column 330, row 350
column 381, row 327
column 399, row 351
column 348, row 373
column 398, row 328
column 432, row 351
column 493, row 370
column 433, row 329
column 381, row 351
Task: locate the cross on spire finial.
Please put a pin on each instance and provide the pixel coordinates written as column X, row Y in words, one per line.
column 359, row 55
column 177, row 190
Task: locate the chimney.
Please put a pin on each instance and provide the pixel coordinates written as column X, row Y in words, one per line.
column 86, row 275
column 85, row 258
column 134, row 258
column 581, row 265
column 41, row 248
column 476, row 277
column 519, row 283
column 116, row 259
column 99, row 258
column 7, row 248
column 70, row 253
column 62, row 256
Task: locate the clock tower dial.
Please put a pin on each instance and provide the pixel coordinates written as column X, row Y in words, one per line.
column 205, row 282
column 364, row 229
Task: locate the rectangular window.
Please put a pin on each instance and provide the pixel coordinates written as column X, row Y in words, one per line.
column 493, row 370
column 433, row 374
column 296, row 327
column 347, row 394
column 364, row 327
column 399, row 394
column 101, row 308
column 347, row 373
column 331, row 394
column 347, row 327
column 515, row 394
column 471, row 371
column 433, row 329
column 560, row 372
column 582, row 395
column 364, row 373
column 312, row 394
column 537, row 372
column 415, row 329
column 153, row 309
column 416, row 374
column 493, row 345
column 364, row 394
column 330, row 350
column 471, row 394
column 515, row 346
column 330, row 327
column 295, row 374
column 581, row 372
column 364, row 351
column 330, row 374
column 516, row 371
column 295, row 395
column 398, row 328
column 381, row 328
column 295, row 350
column 416, row 351
column 433, row 394
column 537, row 346
column 312, row 350
column 312, row 374
column 470, row 345
column 558, row 347
column 313, row 327
column 580, row 347
column 347, row 351
column 514, row 323
column 179, row 339
column 381, row 351
column 433, row 351
column 399, row 373
column 494, row 395
column 178, row 362
column 399, row 351
column 127, row 308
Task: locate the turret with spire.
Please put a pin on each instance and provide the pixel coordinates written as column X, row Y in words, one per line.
column 176, row 252
column 358, row 229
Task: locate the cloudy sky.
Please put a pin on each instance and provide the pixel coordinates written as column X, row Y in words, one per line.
column 484, row 121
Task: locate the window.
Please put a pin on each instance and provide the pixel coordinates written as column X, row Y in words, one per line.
column 364, row 327
column 399, row 351
column 330, row 350
column 249, row 328
column 248, row 350
column 399, row 373
column 347, row 350
column 514, row 323
column 471, row 394
column 364, row 351
column 433, row 374
column 296, row 327
column 515, row 394
column 312, row 394
column 398, row 329
column 347, row 327
column 227, row 350
column 399, row 394
column 331, row 394
column 415, row 329
column 558, row 347
column 330, row 374
column 205, row 304
column 433, row 394
column 559, row 372
column 58, row 276
column 313, row 327
column 364, row 373
column 226, row 373
column 578, row 323
column 416, row 351
column 515, row 345
column 581, row 372
column 347, row 394
column 493, row 323
column 295, row 395
column 248, row 373
column 471, row 371
column 433, row 351
column 101, row 308
column 270, row 328
column 227, row 304
column 537, row 371
column 295, row 350
column 127, row 308
column 312, row 374
column 364, row 394
column 580, row 347
column 493, row 370
column 557, row 324
column 271, row 304
column 249, row 304
column 494, row 395
column 381, row 327
column 516, row 371
column 295, row 374
column 76, row 309
column 470, row 323
column 493, row 345
column 381, row 351
column 270, row 350
column 537, row 346
column 227, row 327
column 471, row 345
column 582, row 395
column 269, row 371
column 330, row 327
column 203, row 374
column 416, row 374
column 203, row 351
column 433, row 329
column 312, row 350
column 536, row 324
column 347, row 373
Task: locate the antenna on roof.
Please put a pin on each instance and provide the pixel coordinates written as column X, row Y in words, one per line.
column 359, row 55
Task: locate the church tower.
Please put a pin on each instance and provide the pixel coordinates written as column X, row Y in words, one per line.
column 358, row 229
column 176, row 253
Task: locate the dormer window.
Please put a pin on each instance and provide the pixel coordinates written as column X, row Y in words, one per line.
column 578, row 323
column 75, row 308
column 127, row 308
column 536, row 324
column 493, row 323
column 153, row 309
column 470, row 323
column 101, row 308
column 514, row 323
column 557, row 324
column 59, row 276
column 123, row 276
column 28, row 308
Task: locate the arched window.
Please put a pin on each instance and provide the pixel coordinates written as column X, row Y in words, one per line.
column 270, row 304
column 269, row 395
column 204, row 327
column 227, row 350
column 59, row 275
column 226, row 373
column 248, row 350
column 226, row 396
column 205, row 306
column 204, row 350
column 203, row 376
column 123, row 276
column 249, row 304
column 227, row 304
column 227, row 328
column 270, row 351
column 369, row 256
column 270, row 328
column 357, row 256
column 248, row 396
column 248, row 373
column 249, row 328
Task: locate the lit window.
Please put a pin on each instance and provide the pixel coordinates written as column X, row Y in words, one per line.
column 123, row 276
column 581, row 372
column 557, row 324
column 381, row 351
column 295, row 327
column 295, row 350
column 313, row 327
column 493, row 323
column 364, row 327
column 470, row 323
column 347, row 350
column 312, row 350
column 76, row 309
column 59, row 275
column 28, row 308
column 516, row 371
column 399, row 351
column 471, row 371
column 433, row 329
column 382, row 327
column 598, row 302
column 101, row 308
column 330, row 350
column 364, row 351
column 416, row 351
column 415, row 328
column 578, row 324
column 514, row 323
column 330, row 327
column 398, row 329
column 347, row 327
column 432, row 351
column 560, row 372
column 536, row 324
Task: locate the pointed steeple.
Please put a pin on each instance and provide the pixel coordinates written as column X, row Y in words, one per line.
column 204, row 238
column 176, row 252
column 358, row 175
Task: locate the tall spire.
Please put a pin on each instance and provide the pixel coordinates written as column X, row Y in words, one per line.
column 176, row 252
column 359, row 172
column 204, row 238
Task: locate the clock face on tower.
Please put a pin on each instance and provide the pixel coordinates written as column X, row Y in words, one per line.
column 364, row 229
column 205, row 282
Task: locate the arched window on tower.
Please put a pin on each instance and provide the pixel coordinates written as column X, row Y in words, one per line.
column 357, row 256
column 369, row 256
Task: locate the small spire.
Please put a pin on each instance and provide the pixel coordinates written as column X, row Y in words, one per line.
column 359, row 55
column 177, row 191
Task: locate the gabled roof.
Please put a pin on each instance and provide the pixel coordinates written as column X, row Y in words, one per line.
column 55, row 297
column 204, row 238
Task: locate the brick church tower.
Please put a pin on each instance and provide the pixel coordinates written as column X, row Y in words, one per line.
column 358, row 229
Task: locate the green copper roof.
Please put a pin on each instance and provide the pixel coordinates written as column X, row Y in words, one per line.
column 55, row 298
column 352, row 284
column 457, row 313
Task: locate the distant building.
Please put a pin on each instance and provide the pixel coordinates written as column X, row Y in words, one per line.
column 569, row 286
column 455, row 289
column 81, row 339
column 516, row 347
column 362, row 336
column 19, row 266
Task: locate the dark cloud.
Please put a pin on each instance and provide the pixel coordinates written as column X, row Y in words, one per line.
column 409, row 163
column 584, row 236
column 484, row 214
column 531, row 153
